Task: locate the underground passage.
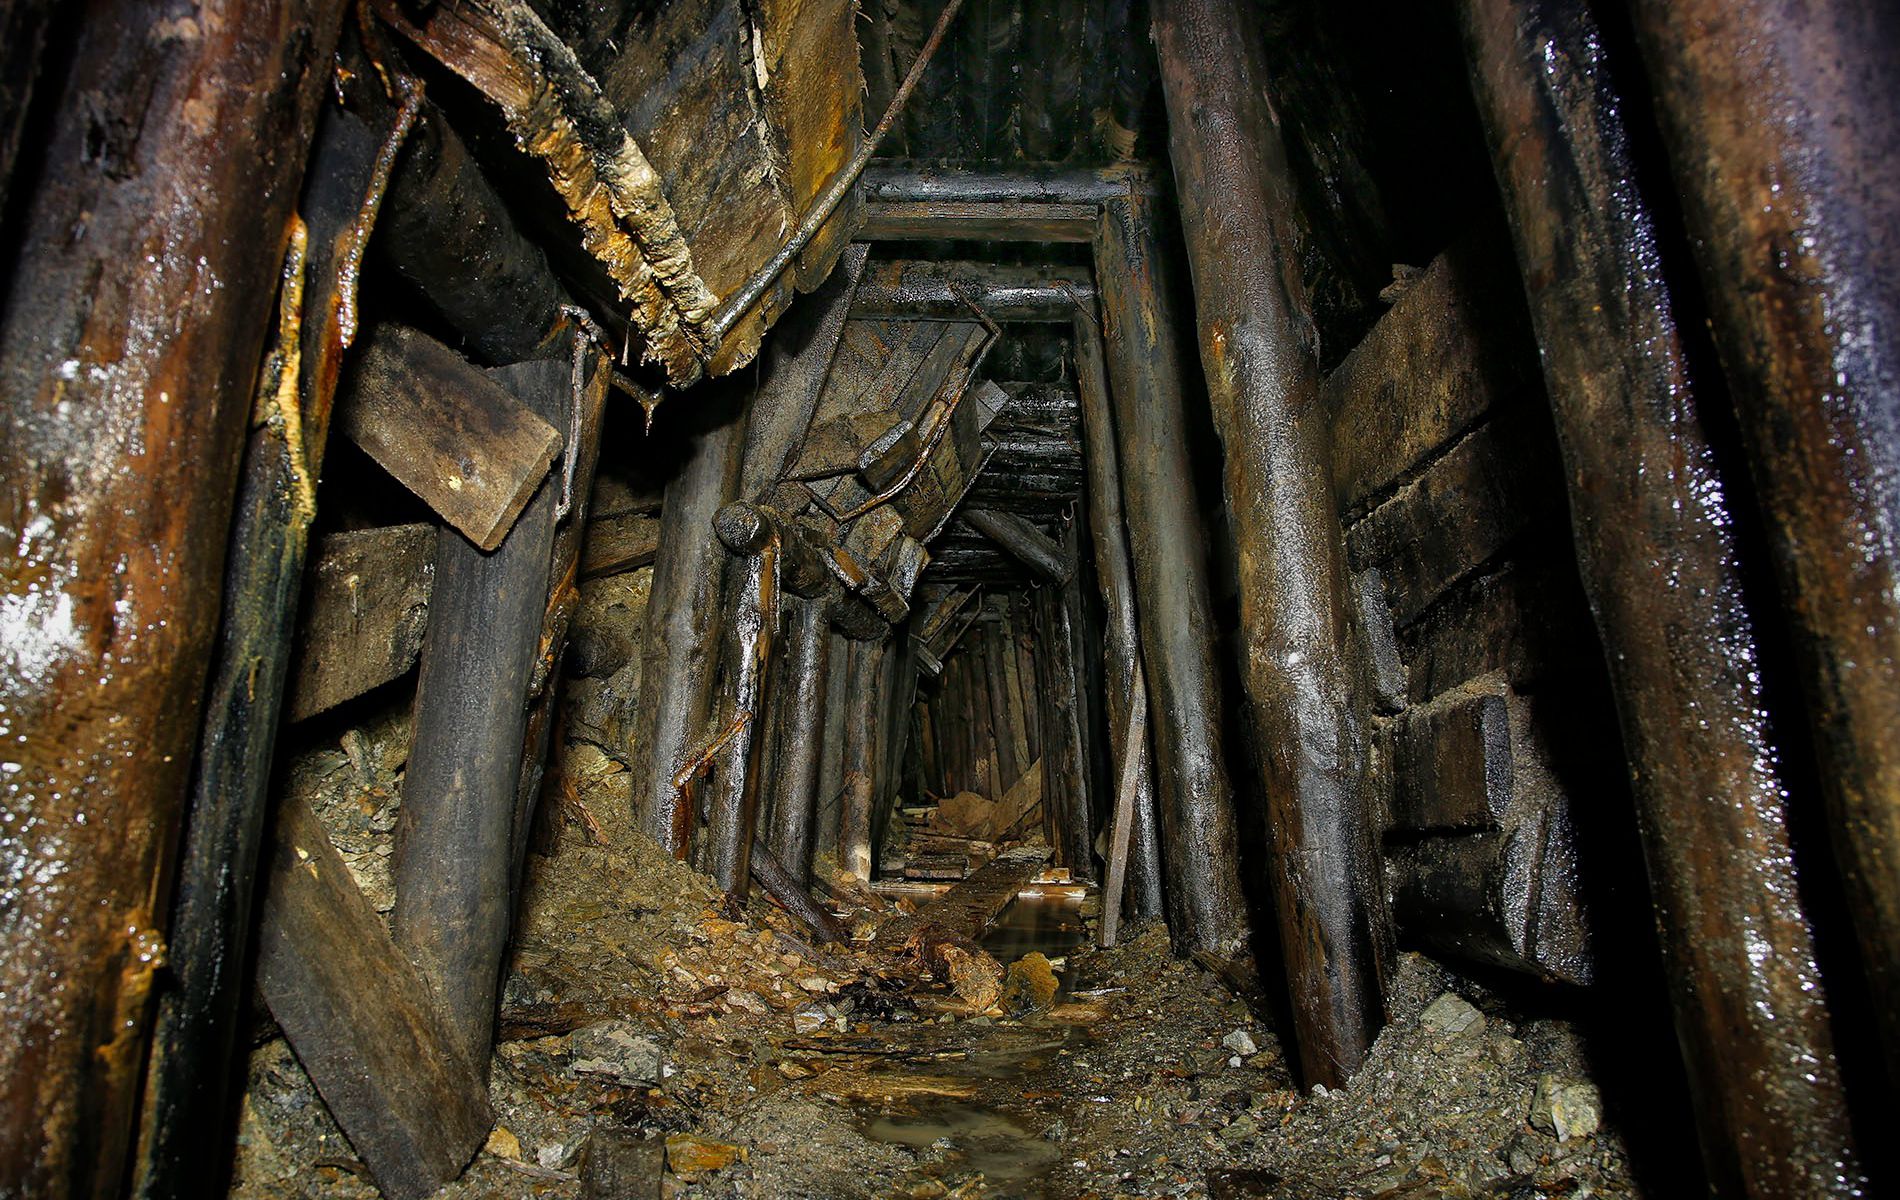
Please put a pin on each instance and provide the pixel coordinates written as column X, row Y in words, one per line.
column 1065, row 599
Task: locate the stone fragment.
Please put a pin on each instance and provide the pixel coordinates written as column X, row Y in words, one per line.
column 1566, row 1109
column 617, row 1050
column 1451, row 1014
column 1241, row 1042
column 690, row 1157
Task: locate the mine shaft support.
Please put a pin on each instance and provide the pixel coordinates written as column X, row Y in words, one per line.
column 1656, row 542
column 1263, row 384
column 1024, row 542
column 135, row 314
column 1140, row 852
column 751, row 535
column 1784, row 138
column 682, row 640
column 904, row 290
column 195, row 1031
column 861, row 715
column 1206, row 912
column 799, row 705
column 453, row 864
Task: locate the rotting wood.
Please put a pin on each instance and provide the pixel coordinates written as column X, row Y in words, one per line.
column 195, row 1028
column 904, row 290
column 751, row 535
column 362, row 1020
column 557, row 112
column 365, row 610
column 1441, row 358
column 1167, row 549
column 469, row 450
column 589, row 371
column 861, row 713
column 1308, row 731
column 450, row 236
column 1024, row 542
column 674, row 705
column 797, row 360
column 1658, row 550
column 1460, row 513
column 620, row 543
column 127, row 358
column 1121, row 643
column 897, row 181
column 971, row 907
column 1785, row 145
column 1134, row 742
column 911, row 220
column 453, row 861
column 799, row 701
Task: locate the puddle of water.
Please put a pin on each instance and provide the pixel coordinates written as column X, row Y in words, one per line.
column 988, row 1141
column 983, row 1137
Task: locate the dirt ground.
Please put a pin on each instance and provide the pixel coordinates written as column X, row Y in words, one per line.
column 645, row 1033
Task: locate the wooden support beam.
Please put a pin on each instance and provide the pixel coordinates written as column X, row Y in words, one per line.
column 1026, row 544
column 799, row 704
column 452, row 436
column 1656, row 544
column 861, row 716
column 673, row 710
column 1263, row 384
column 901, row 290
column 1784, row 141
column 364, row 615
column 1065, row 758
column 1168, row 550
column 589, row 376
column 623, row 542
column 751, row 535
column 127, row 362
column 797, row 359
column 1450, row 350
column 454, row 857
column 920, row 220
column 895, row 181
column 1121, row 644
column 451, row 238
column 971, row 907
column 364, row 1023
column 195, row 1031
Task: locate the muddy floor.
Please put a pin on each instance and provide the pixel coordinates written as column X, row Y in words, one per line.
column 653, row 1043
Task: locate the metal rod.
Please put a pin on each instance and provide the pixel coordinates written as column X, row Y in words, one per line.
column 740, row 302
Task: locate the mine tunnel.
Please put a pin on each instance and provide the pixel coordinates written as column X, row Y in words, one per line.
column 901, row 598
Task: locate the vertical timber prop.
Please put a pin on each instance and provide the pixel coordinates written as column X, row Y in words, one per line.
column 179, row 144
column 1784, row 137
column 799, row 704
column 1263, row 383
column 195, row 1030
column 590, row 370
column 750, row 535
column 1657, row 547
column 1122, row 643
column 682, row 645
column 862, row 715
column 1065, row 747
column 454, row 858
column 1206, row 912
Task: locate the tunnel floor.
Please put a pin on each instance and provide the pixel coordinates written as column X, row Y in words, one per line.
column 650, row 1034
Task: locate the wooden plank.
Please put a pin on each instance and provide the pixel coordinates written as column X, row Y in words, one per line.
column 976, row 221
column 1453, row 519
column 620, row 543
column 1454, row 347
column 362, row 1021
column 1451, row 770
column 364, row 614
column 971, row 907
column 945, row 291
column 1025, row 543
column 470, row 451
